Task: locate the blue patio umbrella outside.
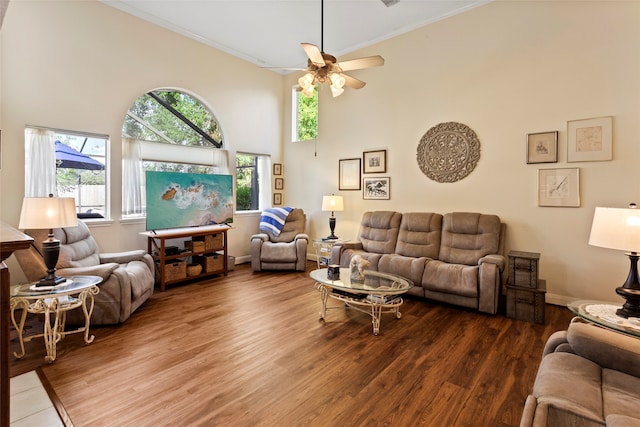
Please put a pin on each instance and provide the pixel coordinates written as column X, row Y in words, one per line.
column 67, row 157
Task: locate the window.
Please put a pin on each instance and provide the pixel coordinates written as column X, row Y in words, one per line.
column 68, row 164
column 253, row 182
column 305, row 115
column 167, row 130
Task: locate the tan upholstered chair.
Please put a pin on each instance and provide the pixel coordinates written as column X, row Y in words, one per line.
column 287, row 251
column 589, row 376
column 128, row 277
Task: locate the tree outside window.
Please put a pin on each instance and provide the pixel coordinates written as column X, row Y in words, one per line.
column 253, row 182
column 171, row 131
column 305, row 115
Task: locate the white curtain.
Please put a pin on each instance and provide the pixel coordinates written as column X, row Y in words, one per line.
column 221, row 162
column 264, row 182
column 40, row 163
column 132, row 177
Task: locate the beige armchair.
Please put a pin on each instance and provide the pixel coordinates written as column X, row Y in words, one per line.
column 287, row 251
column 127, row 277
column 588, row 376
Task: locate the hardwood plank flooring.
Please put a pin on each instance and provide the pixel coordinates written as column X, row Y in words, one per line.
column 249, row 350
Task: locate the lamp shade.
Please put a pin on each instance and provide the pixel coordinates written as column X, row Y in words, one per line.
column 48, row 212
column 332, row 203
column 616, row 228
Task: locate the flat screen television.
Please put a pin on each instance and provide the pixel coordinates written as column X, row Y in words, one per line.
column 176, row 200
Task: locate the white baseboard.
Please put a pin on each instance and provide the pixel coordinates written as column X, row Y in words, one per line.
column 559, row 299
column 243, row 259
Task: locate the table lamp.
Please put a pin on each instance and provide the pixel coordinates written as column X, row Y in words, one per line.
column 618, row 228
column 334, row 204
column 49, row 212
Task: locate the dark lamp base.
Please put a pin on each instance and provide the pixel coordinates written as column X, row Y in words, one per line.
column 332, row 226
column 631, row 307
column 630, row 290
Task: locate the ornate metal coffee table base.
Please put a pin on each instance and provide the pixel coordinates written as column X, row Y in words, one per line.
column 373, row 308
column 378, row 293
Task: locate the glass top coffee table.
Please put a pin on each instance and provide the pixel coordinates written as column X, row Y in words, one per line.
column 378, row 293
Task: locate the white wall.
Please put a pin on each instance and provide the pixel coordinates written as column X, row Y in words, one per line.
column 79, row 66
column 505, row 69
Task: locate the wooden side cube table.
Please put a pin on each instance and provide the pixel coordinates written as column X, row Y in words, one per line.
column 527, row 304
column 523, row 269
column 525, row 291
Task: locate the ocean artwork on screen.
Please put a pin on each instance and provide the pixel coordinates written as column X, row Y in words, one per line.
column 176, row 200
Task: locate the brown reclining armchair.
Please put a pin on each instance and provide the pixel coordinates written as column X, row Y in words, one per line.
column 127, row 277
column 287, row 251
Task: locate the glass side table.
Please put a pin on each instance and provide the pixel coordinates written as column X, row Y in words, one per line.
column 54, row 302
column 323, row 250
column 604, row 314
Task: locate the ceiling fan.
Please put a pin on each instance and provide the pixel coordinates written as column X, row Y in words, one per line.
column 322, row 67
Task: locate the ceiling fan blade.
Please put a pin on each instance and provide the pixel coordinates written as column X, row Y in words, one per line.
column 353, row 82
column 357, row 64
column 314, row 54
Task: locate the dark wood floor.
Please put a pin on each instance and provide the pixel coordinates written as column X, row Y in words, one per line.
column 249, row 350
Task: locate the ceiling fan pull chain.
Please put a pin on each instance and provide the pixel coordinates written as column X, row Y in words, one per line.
column 321, row 26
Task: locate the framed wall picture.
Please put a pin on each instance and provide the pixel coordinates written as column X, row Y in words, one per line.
column 589, row 140
column 374, row 161
column 349, row 174
column 559, row 187
column 376, row 188
column 279, row 183
column 277, row 199
column 277, row 168
column 542, row 147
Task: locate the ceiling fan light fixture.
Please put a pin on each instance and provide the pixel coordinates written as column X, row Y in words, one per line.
column 306, row 81
column 336, row 91
column 323, row 67
column 308, row 91
column 337, row 80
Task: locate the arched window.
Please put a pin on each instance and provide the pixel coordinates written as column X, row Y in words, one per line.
column 167, row 130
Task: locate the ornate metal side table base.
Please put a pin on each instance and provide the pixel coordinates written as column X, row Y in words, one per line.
column 54, row 306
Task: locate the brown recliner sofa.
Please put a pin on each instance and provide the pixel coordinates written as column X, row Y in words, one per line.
column 455, row 258
column 286, row 251
column 588, row 376
column 127, row 277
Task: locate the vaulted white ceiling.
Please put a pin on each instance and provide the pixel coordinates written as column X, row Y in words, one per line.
column 269, row 32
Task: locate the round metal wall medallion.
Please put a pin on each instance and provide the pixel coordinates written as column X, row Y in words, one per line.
column 448, row 152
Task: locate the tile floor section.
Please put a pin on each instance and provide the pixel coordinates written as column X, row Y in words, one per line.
column 30, row 404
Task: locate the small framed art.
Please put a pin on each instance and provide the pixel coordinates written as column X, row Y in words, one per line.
column 374, row 161
column 279, row 183
column 277, row 168
column 349, row 174
column 589, row 140
column 559, row 187
column 377, row 188
column 542, row 147
column 277, row 199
